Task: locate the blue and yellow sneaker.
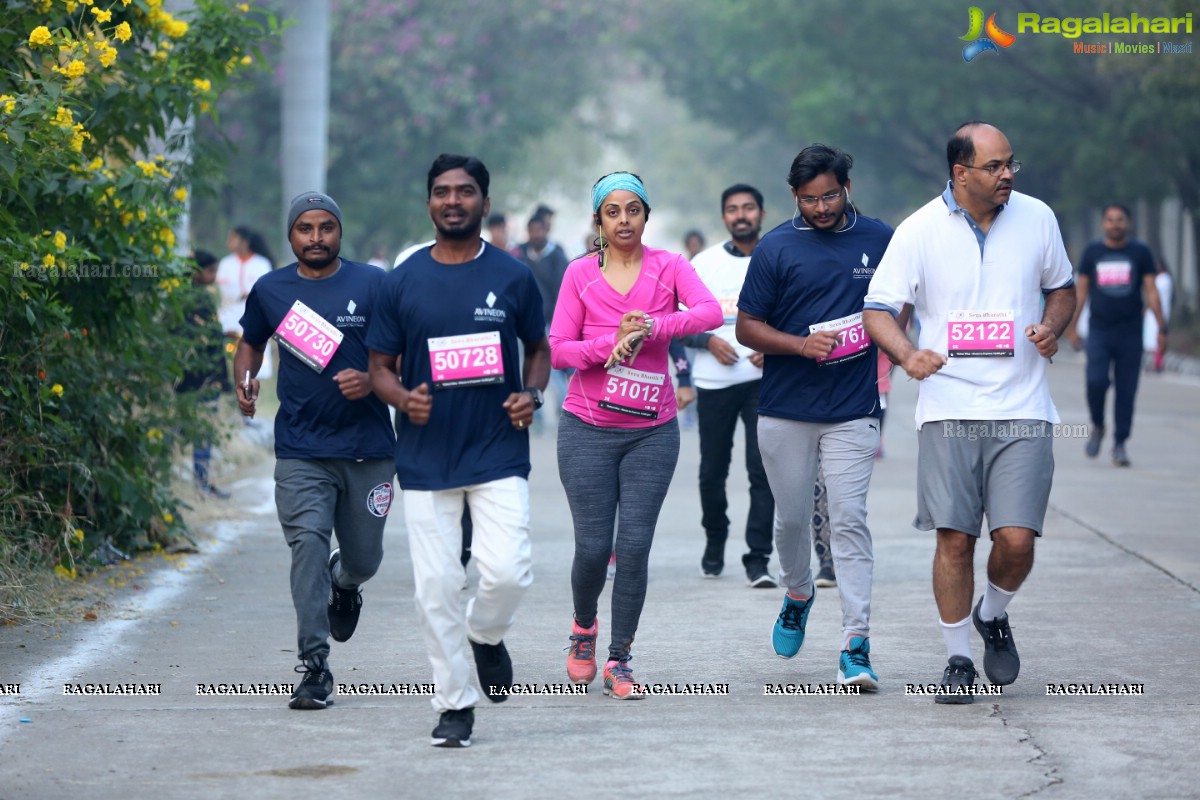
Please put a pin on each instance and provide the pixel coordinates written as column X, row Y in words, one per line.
column 788, row 635
column 854, row 666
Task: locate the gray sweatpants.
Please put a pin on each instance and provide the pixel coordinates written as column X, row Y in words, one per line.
column 314, row 498
column 792, row 452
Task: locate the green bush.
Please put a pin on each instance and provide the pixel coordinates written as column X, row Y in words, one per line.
column 92, row 280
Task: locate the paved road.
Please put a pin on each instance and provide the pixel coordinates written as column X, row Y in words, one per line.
column 1114, row 598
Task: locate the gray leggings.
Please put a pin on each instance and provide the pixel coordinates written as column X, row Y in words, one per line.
column 604, row 470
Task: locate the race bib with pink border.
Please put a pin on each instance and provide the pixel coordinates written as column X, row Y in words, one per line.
column 308, row 336
column 852, row 338
column 981, row 334
column 472, row 359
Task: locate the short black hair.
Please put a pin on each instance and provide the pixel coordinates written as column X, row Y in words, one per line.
column 203, row 258
column 817, row 159
column 448, row 161
column 543, row 211
column 695, row 233
column 961, row 147
column 497, row 219
column 742, row 188
column 1124, row 209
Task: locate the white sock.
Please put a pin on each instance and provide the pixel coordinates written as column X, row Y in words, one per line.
column 958, row 637
column 995, row 600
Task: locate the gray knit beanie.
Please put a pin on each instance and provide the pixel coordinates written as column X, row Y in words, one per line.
column 309, row 201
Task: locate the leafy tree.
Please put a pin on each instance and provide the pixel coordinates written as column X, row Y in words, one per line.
column 411, row 80
column 91, row 185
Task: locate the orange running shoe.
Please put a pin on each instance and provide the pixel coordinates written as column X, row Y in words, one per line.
column 619, row 683
column 581, row 653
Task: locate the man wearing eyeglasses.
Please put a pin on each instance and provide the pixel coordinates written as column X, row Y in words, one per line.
column 986, row 271
column 801, row 307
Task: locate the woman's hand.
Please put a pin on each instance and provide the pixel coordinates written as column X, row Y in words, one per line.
column 628, row 346
column 633, row 321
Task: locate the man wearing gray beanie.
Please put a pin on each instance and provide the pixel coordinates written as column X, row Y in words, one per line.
column 311, row 201
column 334, row 444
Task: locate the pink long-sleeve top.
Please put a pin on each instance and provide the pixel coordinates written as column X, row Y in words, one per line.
column 584, row 332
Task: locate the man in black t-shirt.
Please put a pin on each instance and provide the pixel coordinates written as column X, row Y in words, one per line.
column 1113, row 277
column 333, row 437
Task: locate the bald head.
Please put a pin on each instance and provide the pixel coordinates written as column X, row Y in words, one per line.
column 961, row 149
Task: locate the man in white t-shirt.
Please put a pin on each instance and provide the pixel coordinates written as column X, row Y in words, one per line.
column 236, row 274
column 985, row 269
column 727, row 376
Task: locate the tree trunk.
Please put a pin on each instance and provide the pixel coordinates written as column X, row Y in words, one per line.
column 305, row 135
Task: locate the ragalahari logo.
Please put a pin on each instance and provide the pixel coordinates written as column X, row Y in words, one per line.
column 983, row 37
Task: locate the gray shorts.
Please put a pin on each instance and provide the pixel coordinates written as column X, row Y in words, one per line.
column 968, row 467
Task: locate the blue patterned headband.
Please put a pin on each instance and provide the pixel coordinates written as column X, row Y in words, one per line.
column 617, row 180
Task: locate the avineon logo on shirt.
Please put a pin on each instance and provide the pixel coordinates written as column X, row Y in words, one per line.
column 351, row 320
column 490, row 314
column 865, row 271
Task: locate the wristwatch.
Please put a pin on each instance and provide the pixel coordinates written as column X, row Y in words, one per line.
column 538, row 399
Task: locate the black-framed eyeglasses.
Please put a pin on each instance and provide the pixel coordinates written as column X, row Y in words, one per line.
column 995, row 170
column 829, row 199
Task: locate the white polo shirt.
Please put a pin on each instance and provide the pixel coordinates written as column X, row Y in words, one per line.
column 723, row 273
column 937, row 263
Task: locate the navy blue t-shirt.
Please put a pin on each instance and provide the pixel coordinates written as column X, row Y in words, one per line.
column 469, row 438
column 314, row 419
column 1116, row 275
column 802, row 278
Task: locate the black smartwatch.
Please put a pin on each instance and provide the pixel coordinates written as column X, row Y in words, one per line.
column 538, row 399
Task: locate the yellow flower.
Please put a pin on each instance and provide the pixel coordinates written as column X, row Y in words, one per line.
column 204, row 106
column 70, row 6
column 78, row 536
column 78, row 136
column 56, row 390
column 167, row 236
column 181, row 194
column 154, row 435
column 117, row 202
column 48, row 260
column 146, row 167
column 244, row 8
column 39, row 35
column 158, row 251
column 63, row 572
column 107, row 55
column 126, row 2
column 126, row 218
column 96, row 163
column 74, row 69
column 168, row 518
column 202, row 84
column 102, row 16
column 43, row 6
column 141, row 215
column 86, row 2
column 63, row 117
column 9, row 102
column 25, row 266
column 247, row 61
column 230, row 347
column 123, row 32
column 60, row 240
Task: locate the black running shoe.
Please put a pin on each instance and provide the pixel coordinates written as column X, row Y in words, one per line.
column 344, row 605
column 494, row 668
column 315, row 687
column 1000, row 660
column 758, row 577
column 454, row 728
column 957, row 681
column 713, row 561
